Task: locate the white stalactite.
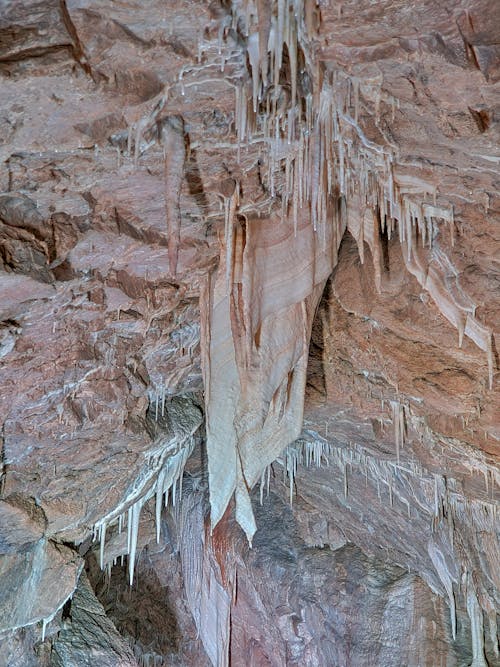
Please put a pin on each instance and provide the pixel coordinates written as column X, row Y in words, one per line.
column 477, row 627
column 164, row 468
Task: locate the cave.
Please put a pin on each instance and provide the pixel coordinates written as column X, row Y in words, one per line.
column 249, row 339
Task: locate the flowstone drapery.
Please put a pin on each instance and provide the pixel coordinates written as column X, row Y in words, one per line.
column 323, row 176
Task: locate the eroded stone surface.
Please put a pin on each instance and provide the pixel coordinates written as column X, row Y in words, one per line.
column 36, row 582
column 88, row 636
column 123, row 181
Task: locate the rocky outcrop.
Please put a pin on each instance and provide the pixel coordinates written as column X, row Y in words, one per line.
column 88, row 637
column 179, row 185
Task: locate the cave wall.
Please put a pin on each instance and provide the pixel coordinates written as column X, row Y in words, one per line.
column 220, row 224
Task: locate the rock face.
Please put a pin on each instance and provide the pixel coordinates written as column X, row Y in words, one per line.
column 249, row 243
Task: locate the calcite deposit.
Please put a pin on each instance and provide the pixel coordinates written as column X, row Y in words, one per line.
column 249, row 308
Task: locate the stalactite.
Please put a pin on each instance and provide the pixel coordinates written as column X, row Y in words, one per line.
column 398, row 419
column 268, row 28
column 254, row 55
column 307, row 451
column 48, row 619
column 164, row 468
column 477, row 628
column 175, row 156
column 102, row 539
column 447, row 581
column 134, row 532
column 315, row 155
column 231, row 204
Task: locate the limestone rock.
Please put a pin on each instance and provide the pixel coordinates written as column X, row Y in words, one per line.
column 88, row 637
column 287, row 211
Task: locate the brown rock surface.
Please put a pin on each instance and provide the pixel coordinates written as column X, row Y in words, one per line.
column 174, row 195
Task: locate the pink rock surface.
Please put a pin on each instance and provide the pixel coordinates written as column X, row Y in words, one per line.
column 160, row 241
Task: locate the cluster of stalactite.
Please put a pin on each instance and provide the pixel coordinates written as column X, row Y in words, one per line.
column 318, row 165
column 306, row 118
column 308, row 115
